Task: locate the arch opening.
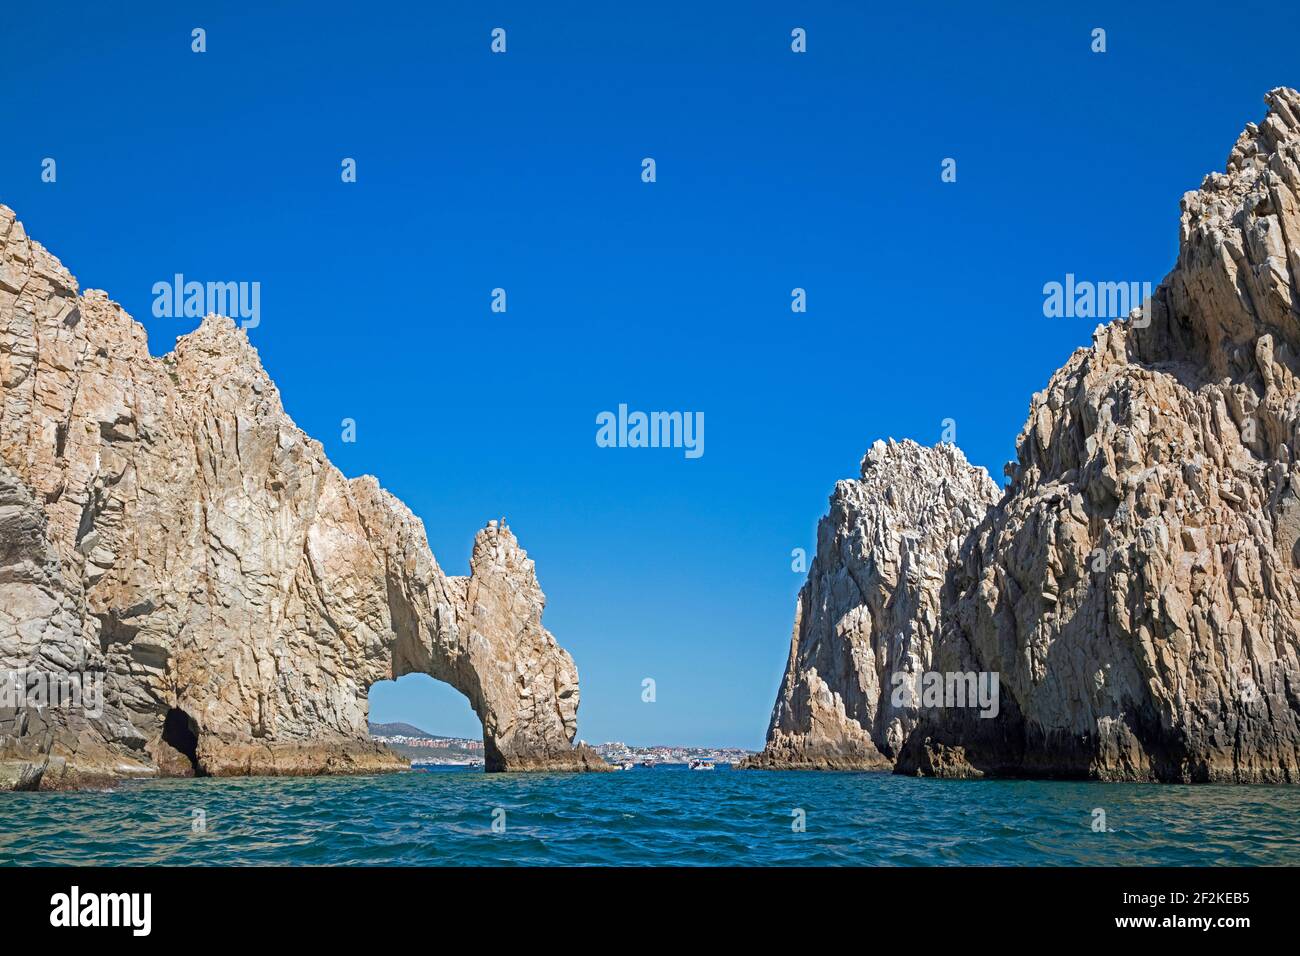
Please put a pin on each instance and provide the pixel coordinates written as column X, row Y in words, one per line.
column 427, row 721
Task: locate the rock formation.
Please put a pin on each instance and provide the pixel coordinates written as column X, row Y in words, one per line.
column 870, row 606
column 1137, row 587
column 166, row 529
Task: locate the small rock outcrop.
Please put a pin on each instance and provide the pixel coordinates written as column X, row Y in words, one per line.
column 1137, row 588
column 167, row 531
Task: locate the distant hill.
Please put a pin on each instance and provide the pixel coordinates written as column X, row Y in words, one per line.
column 401, row 730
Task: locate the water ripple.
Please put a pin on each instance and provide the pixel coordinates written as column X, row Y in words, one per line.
column 651, row 817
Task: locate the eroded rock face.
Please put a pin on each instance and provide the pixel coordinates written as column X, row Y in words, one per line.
column 871, row 607
column 166, row 525
column 1136, row 587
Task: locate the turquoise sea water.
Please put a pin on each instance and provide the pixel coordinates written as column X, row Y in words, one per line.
column 659, row 816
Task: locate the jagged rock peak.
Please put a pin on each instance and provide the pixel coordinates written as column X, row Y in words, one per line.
column 1258, row 145
column 870, row 606
column 921, row 482
column 1234, row 278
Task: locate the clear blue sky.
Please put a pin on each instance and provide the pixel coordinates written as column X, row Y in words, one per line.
column 522, row 170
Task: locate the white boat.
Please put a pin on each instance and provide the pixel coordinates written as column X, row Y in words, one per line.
column 628, row 764
column 701, row 765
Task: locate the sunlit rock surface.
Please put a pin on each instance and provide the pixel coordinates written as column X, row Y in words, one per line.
column 167, row 527
column 1135, row 588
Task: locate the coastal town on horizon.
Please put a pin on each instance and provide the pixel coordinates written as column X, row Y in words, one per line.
column 425, row 749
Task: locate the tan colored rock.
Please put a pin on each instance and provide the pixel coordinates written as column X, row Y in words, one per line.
column 871, row 606
column 1137, row 589
column 167, row 525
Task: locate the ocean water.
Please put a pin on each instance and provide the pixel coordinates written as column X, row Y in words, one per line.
column 650, row 816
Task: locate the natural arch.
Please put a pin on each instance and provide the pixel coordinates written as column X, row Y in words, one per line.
column 486, row 640
column 200, row 551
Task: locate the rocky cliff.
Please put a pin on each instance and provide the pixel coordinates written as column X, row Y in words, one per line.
column 167, row 531
column 870, row 607
column 1135, row 589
